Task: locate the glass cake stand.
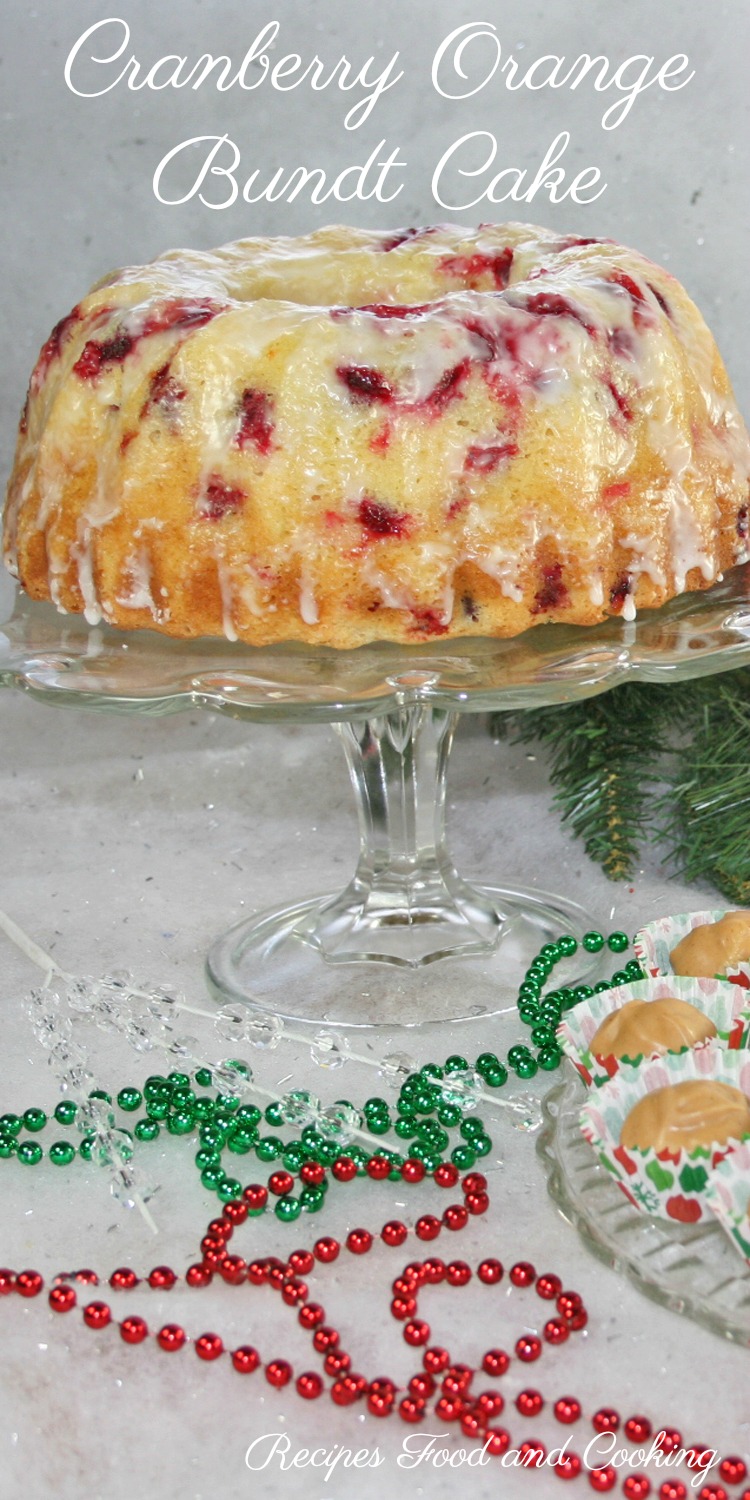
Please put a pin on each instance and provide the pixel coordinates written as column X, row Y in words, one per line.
column 409, row 940
column 691, row 1268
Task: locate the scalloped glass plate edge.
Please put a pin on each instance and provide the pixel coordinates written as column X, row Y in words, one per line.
column 48, row 654
column 613, row 1231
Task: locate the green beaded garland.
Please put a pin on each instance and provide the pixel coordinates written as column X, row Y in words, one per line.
column 269, row 1148
column 181, row 1122
column 287, row 1208
column 129, row 1099
column 203, row 1077
column 62, row 1153
column 65, row 1112
column 617, row 942
column 455, row 1063
column 7, row 1146
column 230, row 1188
column 549, row 1058
column 463, row 1157
column 146, row 1130
column 29, row 1152
column 593, row 942
column 10, row 1124
column 526, row 1068
column 212, row 1176
column 35, row 1119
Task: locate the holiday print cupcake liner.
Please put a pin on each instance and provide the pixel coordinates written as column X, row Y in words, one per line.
column 727, row 1005
column 670, row 1185
column 728, row 1196
column 654, row 943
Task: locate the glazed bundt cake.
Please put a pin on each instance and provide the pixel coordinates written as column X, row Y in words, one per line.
column 354, row 436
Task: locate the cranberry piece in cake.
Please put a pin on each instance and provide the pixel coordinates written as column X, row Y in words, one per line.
column 552, row 593
column 256, row 421
column 220, row 499
column 380, row 519
column 365, row 383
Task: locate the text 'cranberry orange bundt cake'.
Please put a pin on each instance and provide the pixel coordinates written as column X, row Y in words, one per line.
column 356, row 436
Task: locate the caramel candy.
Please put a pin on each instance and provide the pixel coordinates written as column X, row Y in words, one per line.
column 641, row 1027
column 714, row 948
column 699, row 1112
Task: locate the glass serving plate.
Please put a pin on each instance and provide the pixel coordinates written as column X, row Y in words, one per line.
column 691, row 1268
column 408, row 940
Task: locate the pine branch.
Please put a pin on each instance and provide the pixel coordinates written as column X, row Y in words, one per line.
column 608, row 754
column 708, row 821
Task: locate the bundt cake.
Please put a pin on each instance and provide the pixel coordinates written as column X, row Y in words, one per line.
column 358, row 436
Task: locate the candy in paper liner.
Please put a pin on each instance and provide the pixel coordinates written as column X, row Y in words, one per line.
column 728, row 1196
column 726, row 1005
column 654, row 943
column 671, row 1185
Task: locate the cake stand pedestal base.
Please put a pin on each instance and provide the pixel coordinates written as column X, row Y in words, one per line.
column 409, row 940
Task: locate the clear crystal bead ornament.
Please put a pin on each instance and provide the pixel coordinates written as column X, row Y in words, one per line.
column 263, row 1031
column 395, row 1068
column 338, row 1122
column 300, row 1107
column 329, row 1049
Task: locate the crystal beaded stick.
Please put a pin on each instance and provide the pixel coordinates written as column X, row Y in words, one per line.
column 362, row 435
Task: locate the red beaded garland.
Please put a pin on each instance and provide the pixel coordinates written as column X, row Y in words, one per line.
column 326, row 1249
column 568, row 1467
column 256, row 1197
column 603, row 1480
column 344, row 1169
column 416, row 1332
column 378, row 1168
column 393, row 1233
column 477, row 1203
column 548, row 1287
column 496, row 1441
column 62, row 1298
column 528, row 1348
column 123, row 1279
column 209, row 1346
column 359, row 1241
column 446, row 1175
column 235, row 1211
column 556, row 1331
column 435, row 1360
column 490, row 1271
column 457, row 1273
column 636, row 1487
column 638, row 1429
column 132, row 1330
column 312, row 1173
column 522, row 1273
column 311, row 1315
column 413, row 1170
column 29, row 1283
column 171, row 1337
column 245, row 1359
column 162, row 1278
column 7, row 1281
column 280, row 1183
column 98, row 1315
column 434, row 1269
column 733, row 1470
column 529, row 1403
column 672, row 1489
column 567, row 1409
column 495, row 1362
column 309, row 1385
column 606, row 1419
column 533, row 1453
column 490, row 1404
column 668, row 1438
column 428, row 1227
column 278, row 1372
column 456, row 1217
column 337, row 1362
column 713, row 1492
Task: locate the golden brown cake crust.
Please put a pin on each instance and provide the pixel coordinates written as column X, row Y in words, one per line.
column 357, row 436
column 682, row 1116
